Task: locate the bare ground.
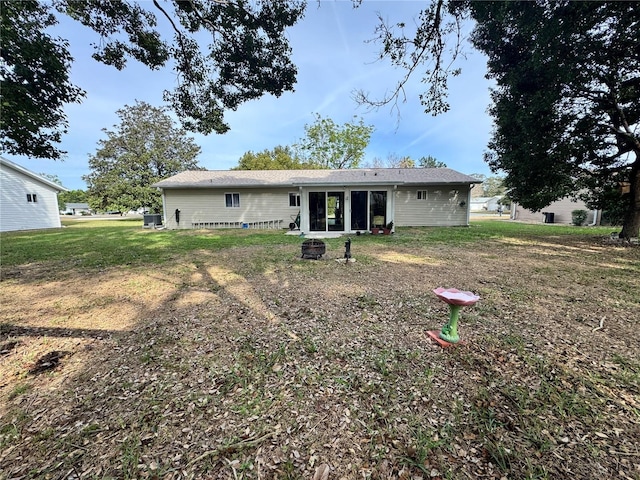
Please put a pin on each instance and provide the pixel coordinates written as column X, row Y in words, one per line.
column 252, row 363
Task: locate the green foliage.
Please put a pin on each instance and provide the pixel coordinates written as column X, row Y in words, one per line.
column 280, row 158
column 145, row 148
column 72, row 196
column 431, row 162
column 567, row 98
column 248, row 55
column 34, row 79
column 393, row 160
column 567, row 102
column 328, row 145
column 490, row 186
column 578, row 217
column 54, row 178
column 493, row 186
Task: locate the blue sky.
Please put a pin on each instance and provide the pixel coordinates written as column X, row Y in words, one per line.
column 333, row 60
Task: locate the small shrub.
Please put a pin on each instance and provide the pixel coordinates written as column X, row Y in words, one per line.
column 578, row 217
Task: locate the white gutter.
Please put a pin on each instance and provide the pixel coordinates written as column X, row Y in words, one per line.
column 469, row 204
column 164, row 208
column 595, row 218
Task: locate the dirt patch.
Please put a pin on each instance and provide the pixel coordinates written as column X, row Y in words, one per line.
column 47, row 362
column 254, row 363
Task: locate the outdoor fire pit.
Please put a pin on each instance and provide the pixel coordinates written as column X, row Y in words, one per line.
column 313, row 248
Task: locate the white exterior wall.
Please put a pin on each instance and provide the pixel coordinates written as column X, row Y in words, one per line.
column 198, row 206
column 440, row 208
column 16, row 213
column 561, row 209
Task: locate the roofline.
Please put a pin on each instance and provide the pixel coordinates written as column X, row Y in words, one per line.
column 296, row 185
column 33, row 175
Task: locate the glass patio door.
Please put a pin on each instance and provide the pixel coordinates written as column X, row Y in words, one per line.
column 317, row 211
column 359, row 208
column 335, row 211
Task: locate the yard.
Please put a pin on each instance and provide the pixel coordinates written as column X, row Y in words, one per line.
column 132, row 353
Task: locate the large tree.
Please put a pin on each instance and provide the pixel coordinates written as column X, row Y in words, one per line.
column 280, row 158
column 248, row 55
column 567, row 101
column 34, row 80
column 144, row 148
column 329, row 145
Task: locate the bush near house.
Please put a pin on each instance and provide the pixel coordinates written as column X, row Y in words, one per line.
column 578, row 217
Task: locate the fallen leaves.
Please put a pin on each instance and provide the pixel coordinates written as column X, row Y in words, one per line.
column 314, row 370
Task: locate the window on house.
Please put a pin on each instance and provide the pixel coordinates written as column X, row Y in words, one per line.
column 232, row 199
column 294, row 199
column 32, row 198
column 422, row 195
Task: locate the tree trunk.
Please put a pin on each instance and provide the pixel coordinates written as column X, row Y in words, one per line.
column 631, row 226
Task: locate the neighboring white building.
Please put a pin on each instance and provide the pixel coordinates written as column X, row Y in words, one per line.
column 556, row 212
column 27, row 200
column 353, row 200
column 76, row 209
column 485, row 204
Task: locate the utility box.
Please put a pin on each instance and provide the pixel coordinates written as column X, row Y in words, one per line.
column 549, row 217
column 151, row 220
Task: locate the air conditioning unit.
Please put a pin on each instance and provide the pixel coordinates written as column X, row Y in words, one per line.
column 152, row 220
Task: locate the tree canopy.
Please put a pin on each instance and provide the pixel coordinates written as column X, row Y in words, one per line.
column 34, row 80
column 567, row 101
column 248, row 55
column 329, row 145
column 72, row 196
column 431, row 162
column 144, row 148
column 280, row 158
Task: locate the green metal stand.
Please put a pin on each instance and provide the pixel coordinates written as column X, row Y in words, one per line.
column 449, row 332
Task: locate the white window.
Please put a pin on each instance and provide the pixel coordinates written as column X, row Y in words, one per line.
column 294, row 199
column 421, row 195
column 232, row 199
column 32, row 198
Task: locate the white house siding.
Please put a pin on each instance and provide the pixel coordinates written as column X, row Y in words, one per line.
column 202, row 208
column 442, row 207
column 16, row 213
column 561, row 209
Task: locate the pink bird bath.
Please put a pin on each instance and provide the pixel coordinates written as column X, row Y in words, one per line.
column 456, row 299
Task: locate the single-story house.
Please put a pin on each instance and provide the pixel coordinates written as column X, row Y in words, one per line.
column 354, row 200
column 485, row 204
column 76, row 209
column 28, row 201
column 557, row 212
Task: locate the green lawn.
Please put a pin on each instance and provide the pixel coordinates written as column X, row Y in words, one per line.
column 223, row 354
column 100, row 244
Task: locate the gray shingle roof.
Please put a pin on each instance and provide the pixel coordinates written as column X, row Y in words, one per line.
column 279, row 178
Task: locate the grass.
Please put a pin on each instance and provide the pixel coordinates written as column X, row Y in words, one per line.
column 265, row 366
column 103, row 244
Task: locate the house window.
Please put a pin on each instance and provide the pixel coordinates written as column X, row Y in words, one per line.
column 422, row 195
column 294, row 199
column 32, row 198
column 232, row 199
